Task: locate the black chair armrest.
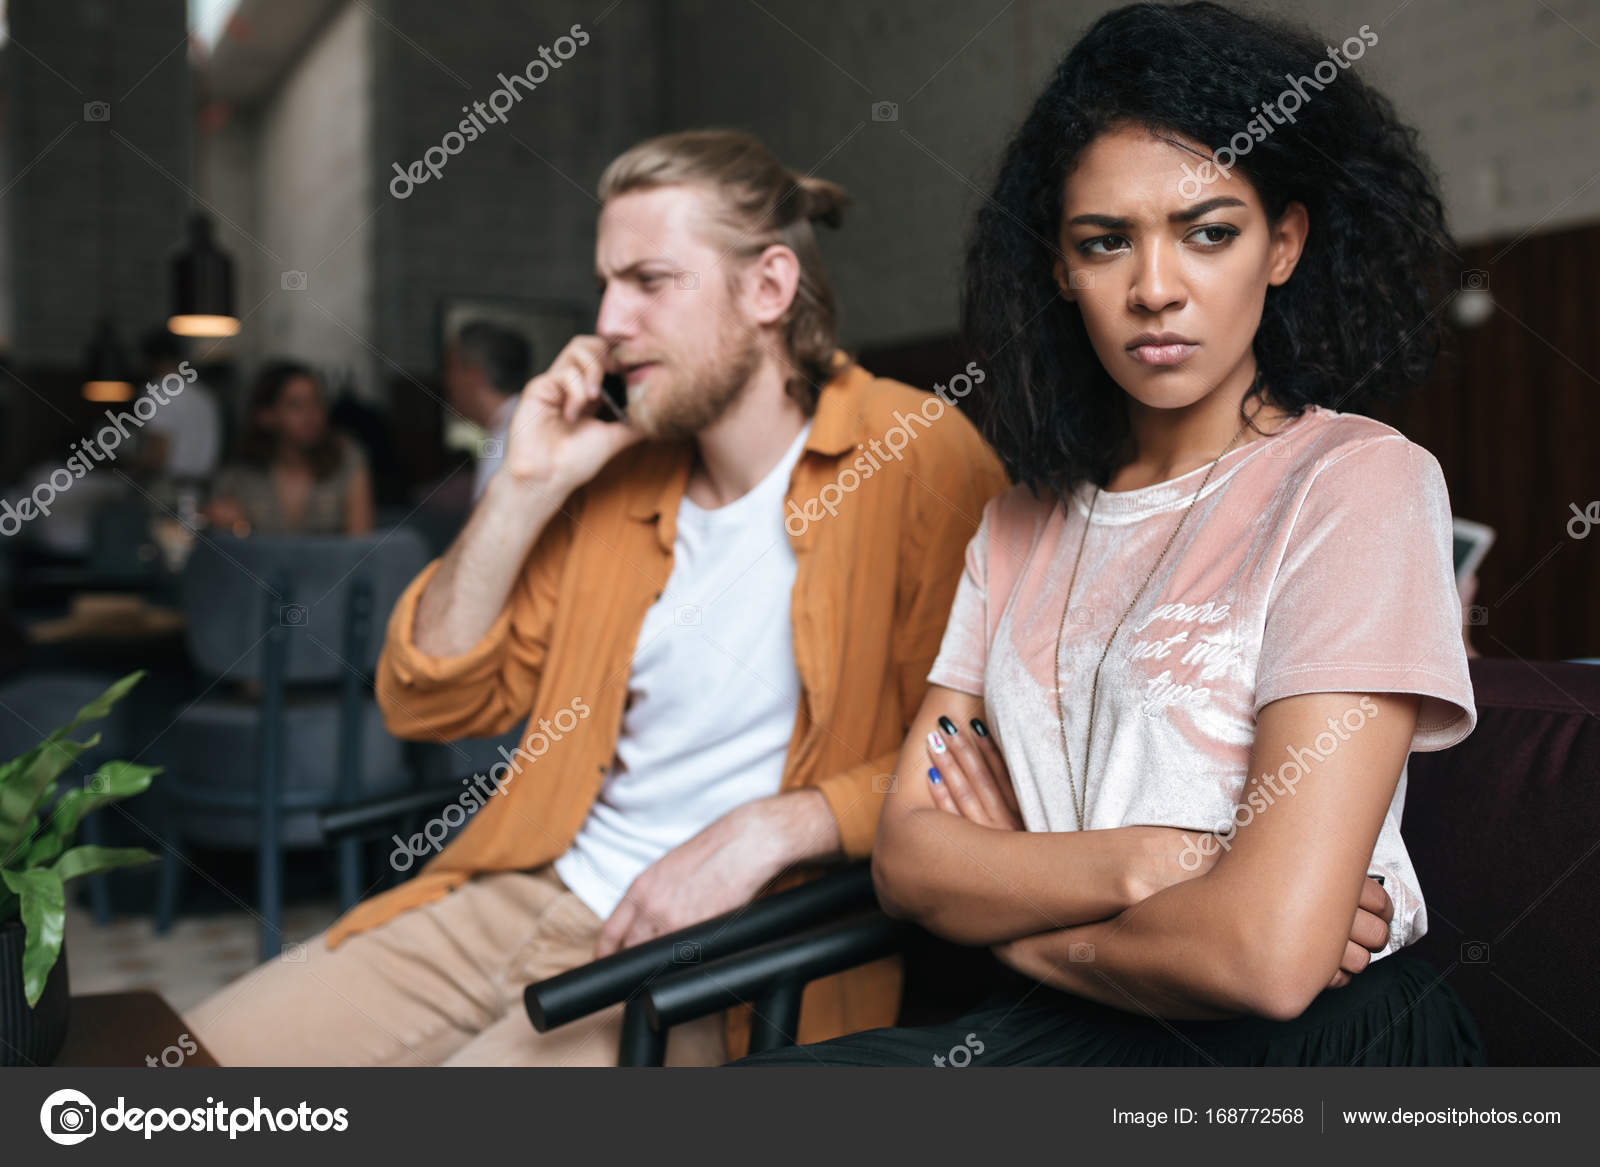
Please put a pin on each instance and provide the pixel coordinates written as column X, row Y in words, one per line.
column 581, row 991
column 772, row 977
column 375, row 815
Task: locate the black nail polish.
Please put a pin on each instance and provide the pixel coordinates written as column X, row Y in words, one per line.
column 948, row 726
column 979, row 728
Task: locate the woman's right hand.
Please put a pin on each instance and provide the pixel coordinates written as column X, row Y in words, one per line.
column 969, row 777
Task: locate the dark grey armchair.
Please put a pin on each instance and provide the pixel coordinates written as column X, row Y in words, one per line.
column 287, row 631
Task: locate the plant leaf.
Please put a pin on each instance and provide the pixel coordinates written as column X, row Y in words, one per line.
column 21, row 795
column 87, row 860
column 23, row 780
column 44, row 919
column 43, row 850
column 111, row 782
column 18, row 764
column 100, row 706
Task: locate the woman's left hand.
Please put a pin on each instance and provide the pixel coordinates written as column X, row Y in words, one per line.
column 969, row 777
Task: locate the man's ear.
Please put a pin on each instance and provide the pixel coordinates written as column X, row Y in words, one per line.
column 771, row 281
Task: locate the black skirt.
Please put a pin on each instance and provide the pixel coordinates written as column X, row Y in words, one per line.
column 1399, row 1012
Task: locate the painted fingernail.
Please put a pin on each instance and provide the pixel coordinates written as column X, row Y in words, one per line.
column 979, row 728
column 1379, row 878
column 948, row 726
column 936, row 743
column 933, row 773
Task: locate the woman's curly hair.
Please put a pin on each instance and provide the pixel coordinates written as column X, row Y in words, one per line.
column 1357, row 320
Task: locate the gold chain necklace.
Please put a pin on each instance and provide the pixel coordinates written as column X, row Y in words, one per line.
column 1078, row 805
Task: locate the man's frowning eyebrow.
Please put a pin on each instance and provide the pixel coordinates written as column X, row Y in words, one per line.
column 1189, row 215
column 631, row 270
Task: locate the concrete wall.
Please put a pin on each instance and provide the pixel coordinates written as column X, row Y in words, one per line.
column 512, row 214
column 1504, row 94
column 311, row 281
column 94, row 206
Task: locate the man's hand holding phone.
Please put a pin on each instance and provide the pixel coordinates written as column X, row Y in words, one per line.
column 557, row 435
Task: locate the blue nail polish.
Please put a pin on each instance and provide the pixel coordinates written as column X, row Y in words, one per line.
column 933, row 772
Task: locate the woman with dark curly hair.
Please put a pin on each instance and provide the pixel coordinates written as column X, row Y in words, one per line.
column 1161, row 767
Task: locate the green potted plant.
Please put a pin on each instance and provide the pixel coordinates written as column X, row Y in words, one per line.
column 36, row 861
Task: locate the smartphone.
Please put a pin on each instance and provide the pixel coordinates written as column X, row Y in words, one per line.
column 613, row 398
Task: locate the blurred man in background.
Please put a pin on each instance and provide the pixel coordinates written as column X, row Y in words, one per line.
column 485, row 369
column 183, row 441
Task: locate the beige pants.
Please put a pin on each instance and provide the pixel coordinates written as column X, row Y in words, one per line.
column 438, row 985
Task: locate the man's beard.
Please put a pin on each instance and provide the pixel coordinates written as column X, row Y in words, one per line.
column 682, row 409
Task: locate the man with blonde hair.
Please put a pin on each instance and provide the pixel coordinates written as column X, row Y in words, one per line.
column 714, row 617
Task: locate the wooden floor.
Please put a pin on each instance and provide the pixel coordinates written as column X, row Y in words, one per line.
column 198, row 956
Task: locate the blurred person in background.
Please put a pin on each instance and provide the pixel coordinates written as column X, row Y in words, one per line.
column 485, row 369
column 294, row 474
column 183, row 440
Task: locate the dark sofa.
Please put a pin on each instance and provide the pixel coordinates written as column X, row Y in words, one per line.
column 1504, row 829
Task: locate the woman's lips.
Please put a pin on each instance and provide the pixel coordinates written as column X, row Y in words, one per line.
column 1162, row 354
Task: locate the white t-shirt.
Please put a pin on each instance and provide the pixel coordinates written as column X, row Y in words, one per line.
column 712, row 693
column 193, row 426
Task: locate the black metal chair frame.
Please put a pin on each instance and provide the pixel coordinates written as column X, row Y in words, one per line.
column 764, row 953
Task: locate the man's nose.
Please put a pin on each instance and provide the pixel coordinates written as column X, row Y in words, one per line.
column 618, row 318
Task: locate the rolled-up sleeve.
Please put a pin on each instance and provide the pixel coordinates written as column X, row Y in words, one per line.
column 489, row 688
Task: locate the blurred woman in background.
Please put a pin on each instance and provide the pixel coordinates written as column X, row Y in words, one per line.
column 293, row 474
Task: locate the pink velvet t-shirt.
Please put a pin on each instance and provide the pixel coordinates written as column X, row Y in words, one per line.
column 1317, row 560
